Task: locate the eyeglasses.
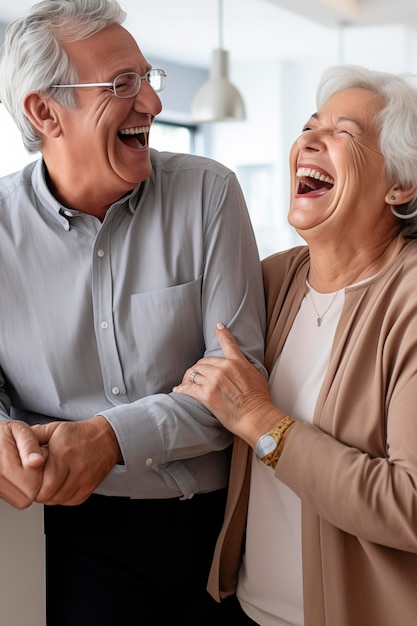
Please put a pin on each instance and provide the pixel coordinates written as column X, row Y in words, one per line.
column 127, row 85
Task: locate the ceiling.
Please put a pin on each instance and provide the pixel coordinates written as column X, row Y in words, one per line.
column 186, row 31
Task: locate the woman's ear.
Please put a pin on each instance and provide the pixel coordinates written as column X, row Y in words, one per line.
column 40, row 111
column 399, row 194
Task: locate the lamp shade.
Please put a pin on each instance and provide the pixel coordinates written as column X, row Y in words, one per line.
column 218, row 100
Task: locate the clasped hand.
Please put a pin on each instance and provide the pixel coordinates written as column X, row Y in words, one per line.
column 55, row 463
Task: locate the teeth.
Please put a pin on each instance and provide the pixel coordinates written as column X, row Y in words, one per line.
column 311, row 173
column 134, row 131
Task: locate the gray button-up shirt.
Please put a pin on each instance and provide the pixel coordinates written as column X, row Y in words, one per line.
column 104, row 317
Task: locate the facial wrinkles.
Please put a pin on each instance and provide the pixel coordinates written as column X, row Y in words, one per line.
column 362, row 155
column 102, row 56
column 350, row 157
column 98, row 120
column 342, row 139
column 360, row 189
column 99, row 131
column 355, row 159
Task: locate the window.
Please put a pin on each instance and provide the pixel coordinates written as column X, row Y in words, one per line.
column 172, row 137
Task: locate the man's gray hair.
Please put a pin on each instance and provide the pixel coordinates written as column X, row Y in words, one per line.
column 32, row 57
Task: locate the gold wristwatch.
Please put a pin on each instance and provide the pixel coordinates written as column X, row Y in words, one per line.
column 268, row 447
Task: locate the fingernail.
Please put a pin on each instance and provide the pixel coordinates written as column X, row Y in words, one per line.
column 174, row 388
column 220, row 325
column 34, row 456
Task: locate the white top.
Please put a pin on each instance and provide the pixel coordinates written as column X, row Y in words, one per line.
column 270, row 581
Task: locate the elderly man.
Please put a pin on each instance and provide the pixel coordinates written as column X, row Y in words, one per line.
column 117, row 262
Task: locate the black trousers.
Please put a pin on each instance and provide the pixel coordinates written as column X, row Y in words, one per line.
column 116, row 562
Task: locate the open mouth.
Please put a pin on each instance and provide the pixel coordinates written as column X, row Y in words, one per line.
column 136, row 137
column 312, row 180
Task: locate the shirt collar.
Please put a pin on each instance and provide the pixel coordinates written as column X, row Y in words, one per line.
column 62, row 213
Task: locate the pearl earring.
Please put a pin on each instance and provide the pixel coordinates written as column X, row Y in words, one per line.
column 392, row 198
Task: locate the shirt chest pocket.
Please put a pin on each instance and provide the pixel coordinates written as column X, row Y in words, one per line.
column 168, row 331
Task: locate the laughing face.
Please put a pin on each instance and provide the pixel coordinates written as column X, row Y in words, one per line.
column 338, row 178
column 103, row 144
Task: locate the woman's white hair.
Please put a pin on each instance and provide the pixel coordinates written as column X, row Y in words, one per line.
column 396, row 122
column 32, row 57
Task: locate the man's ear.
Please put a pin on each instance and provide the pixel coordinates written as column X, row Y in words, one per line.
column 400, row 194
column 42, row 113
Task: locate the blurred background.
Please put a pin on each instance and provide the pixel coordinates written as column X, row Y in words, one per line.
column 275, row 52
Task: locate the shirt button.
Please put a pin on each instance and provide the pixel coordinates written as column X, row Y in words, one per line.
column 100, row 253
column 104, row 325
column 148, row 462
column 68, row 213
column 115, row 391
column 66, row 226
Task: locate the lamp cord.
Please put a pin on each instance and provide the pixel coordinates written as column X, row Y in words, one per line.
column 220, row 22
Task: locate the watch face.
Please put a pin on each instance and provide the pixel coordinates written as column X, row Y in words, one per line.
column 266, row 444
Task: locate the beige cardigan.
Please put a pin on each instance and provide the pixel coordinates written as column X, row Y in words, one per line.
column 355, row 467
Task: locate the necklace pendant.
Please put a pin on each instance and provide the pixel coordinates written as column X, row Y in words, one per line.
column 319, row 321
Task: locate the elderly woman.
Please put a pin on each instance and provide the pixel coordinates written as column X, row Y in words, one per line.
column 330, row 445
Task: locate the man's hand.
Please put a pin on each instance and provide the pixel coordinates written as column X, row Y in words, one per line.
column 80, row 455
column 22, row 460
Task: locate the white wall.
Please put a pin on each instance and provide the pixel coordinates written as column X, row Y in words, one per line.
column 22, row 569
column 279, row 97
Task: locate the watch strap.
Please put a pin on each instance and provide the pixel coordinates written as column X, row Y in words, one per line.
column 277, row 433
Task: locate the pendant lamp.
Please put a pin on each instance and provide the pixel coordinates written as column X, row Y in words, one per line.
column 218, row 100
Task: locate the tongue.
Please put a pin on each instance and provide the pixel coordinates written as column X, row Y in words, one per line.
column 131, row 140
column 313, row 184
column 318, row 184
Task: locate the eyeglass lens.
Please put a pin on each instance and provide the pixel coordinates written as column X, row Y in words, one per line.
column 128, row 84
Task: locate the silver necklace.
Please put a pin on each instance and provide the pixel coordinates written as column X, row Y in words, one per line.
column 320, row 316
